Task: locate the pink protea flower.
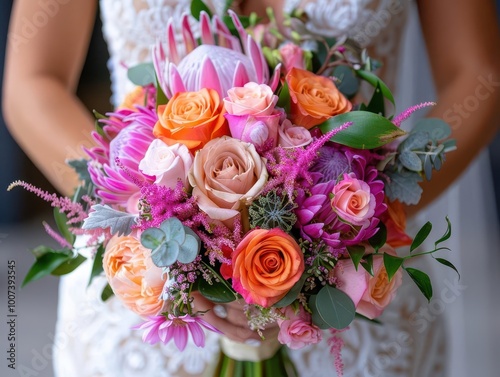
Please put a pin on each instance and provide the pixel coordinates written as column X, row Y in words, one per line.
column 114, row 162
column 220, row 66
column 164, row 328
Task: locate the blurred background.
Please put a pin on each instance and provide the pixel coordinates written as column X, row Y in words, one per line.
column 21, row 215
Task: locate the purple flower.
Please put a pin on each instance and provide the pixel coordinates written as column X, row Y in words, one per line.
column 164, row 328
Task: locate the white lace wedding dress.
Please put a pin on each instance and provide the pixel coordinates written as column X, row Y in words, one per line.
column 94, row 338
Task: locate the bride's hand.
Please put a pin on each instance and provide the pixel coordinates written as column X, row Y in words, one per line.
column 235, row 325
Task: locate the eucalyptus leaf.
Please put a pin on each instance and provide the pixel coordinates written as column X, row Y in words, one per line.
column 449, row 145
column 410, row 161
column 103, row 216
column 174, row 230
column 422, row 281
column 188, row 250
column 392, row 264
column 293, row 293
column 421, row 236
column 368, row 130
column 69, row 265
column 403, row 186
column 335, row 307
column 316, row 317
column 142, row 74
column 415, row 141
column 44, row 266
column 166, row 254
column 436, row 128
column 447, row 263
column 356, row 252
column 152, row 238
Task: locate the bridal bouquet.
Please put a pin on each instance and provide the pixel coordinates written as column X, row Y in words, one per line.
column 246, row 166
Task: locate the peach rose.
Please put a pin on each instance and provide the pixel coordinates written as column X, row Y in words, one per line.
column 351, row 282
column 266, row 264
column 191, row 118
column 225, row 174
column 353, row 201
column 251, row 99
column 297, row 330
column 380, row 291
column 291, row 136
column 395, row 222
column 314, row 98
column 135, row 280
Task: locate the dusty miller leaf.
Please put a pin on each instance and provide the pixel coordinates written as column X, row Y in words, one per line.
column 104, row 216
column 404, row 187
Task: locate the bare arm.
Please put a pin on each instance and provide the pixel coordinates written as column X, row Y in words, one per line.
column 462, row 40
column 45, row 54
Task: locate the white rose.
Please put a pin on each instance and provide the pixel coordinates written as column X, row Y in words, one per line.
column 167, row 163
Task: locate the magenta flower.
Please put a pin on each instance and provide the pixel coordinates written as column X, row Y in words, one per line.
column 164, row 328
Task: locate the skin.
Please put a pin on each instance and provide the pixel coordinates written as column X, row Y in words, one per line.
column 51, row 61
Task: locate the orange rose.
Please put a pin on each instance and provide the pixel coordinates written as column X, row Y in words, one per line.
column 191, row 118
column 135, row 280
column 266, row 264
column 314, row 98
column 395, row 221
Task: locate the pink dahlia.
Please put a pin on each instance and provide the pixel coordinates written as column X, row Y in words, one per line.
column 167, row 327
column 221, row 62
column 114, row 162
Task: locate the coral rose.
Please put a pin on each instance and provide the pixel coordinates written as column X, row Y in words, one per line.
column 251, row 99
column 135, row 280
column 395, row 222
column 266, row 264
column 380, row 291
column 225, row 174
column 297, row 330
column 191, row 118
column 314, row 98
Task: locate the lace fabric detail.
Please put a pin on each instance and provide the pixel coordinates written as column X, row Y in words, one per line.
column 95, row 338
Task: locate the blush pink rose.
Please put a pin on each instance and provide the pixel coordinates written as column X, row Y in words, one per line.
column 297, row 330
column 168, row 163
column 380, row 291
column 254, row 129
column 351, row 282
column 291, row 136
column 226, row 174
column 352, row 200
column 292, row 56
column 132, row 275
column 251, row 99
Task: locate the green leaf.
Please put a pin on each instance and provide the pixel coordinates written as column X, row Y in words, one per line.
column 44, row 266
column 98, row 125
column 142, row 74
column 380, row 238
column 61, row 221
column 69, row 265
column 422, row 281
column 392, row 264
column 197, row 6
column 152, row 238
column 348, row 82
column 377, row 104
column 39, row 251
column 448, row 264
column 368, row 130
column 218, row 291
column 368, row 264
column 375, row 81
column 293, row 293
column 284, row 98
column 334, row 307
column 356, row 253
column 375, row 321
column 97, row 268
column 80, row 166
column 421, row 236
column 106, row 293
column 446, row 235
column 227, row 6
column 316, row 318
column 161, row 98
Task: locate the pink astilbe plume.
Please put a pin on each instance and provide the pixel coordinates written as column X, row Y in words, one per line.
column 408, row 112
column 336, row 343
column 56, row 236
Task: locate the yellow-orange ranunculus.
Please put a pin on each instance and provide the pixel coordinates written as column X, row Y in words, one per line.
column 266, row 264
column 191, row 118
column 314, row 98
column 135, row 280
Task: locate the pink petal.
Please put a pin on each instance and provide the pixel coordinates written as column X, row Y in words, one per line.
column 206, row 33
column 187, row 34
column 209, row 78
column 180, row 335
column 241, row 76
column 172, row 45
column 198, row 334
column 176, row 83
